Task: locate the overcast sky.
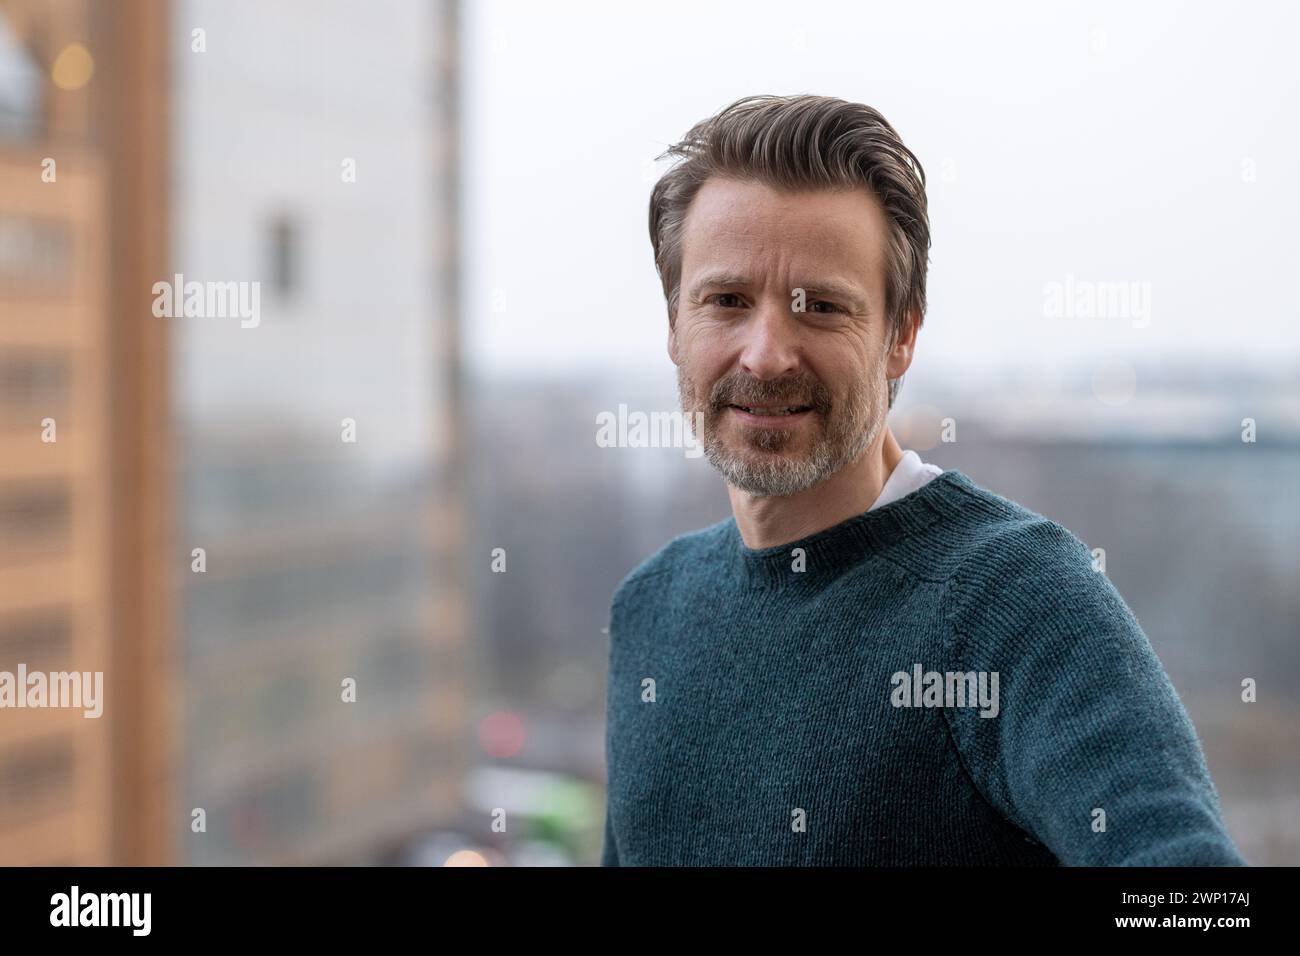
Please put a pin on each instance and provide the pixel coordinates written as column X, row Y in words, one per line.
column 1150, row 143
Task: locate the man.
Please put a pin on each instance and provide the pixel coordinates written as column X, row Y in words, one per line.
column 872, row 662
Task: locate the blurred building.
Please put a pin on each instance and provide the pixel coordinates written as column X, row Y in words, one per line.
column 239, row 522
column 55, row 553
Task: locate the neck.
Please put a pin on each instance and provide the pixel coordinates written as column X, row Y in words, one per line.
column 765, row 522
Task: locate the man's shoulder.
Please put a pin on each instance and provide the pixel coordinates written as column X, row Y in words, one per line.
column 989, row 533
column 689, row 551
column 1004, row 555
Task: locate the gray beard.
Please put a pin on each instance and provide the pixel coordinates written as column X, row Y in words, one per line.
column 768, row 473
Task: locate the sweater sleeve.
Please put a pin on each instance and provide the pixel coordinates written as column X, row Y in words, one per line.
column 609, row 850
column 1091, row 751
column 609, row 853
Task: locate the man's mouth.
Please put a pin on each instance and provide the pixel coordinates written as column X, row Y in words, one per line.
column 769, row 410
column 764, row 414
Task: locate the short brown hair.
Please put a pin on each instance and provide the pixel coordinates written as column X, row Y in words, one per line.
column 798, row 143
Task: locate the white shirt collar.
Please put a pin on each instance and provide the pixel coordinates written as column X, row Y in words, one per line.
column 908, row 475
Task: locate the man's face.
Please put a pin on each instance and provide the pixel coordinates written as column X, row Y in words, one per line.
column 788, row 397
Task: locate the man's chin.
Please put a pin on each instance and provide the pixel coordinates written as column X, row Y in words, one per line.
column 770, row 485
column 791, row 453
column 766, row 473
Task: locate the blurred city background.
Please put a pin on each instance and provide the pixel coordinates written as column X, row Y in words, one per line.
column 443, row 205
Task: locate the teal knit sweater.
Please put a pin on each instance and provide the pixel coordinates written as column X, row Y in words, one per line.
column 945, row 680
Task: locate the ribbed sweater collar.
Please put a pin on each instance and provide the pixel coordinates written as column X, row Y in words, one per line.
column 832, row 550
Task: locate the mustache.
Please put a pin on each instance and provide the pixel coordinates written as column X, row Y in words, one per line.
column 735, row 390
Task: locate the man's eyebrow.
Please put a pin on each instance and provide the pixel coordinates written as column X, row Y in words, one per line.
column 717, row 278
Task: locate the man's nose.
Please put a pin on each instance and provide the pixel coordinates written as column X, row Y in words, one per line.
column 770, row 347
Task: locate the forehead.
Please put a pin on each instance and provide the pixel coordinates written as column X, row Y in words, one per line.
column 737, row 224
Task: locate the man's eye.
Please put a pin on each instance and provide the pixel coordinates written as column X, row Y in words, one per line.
column 830, row 306
column 725, row 295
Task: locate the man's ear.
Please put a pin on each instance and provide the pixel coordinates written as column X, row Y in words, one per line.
column 900, row 355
